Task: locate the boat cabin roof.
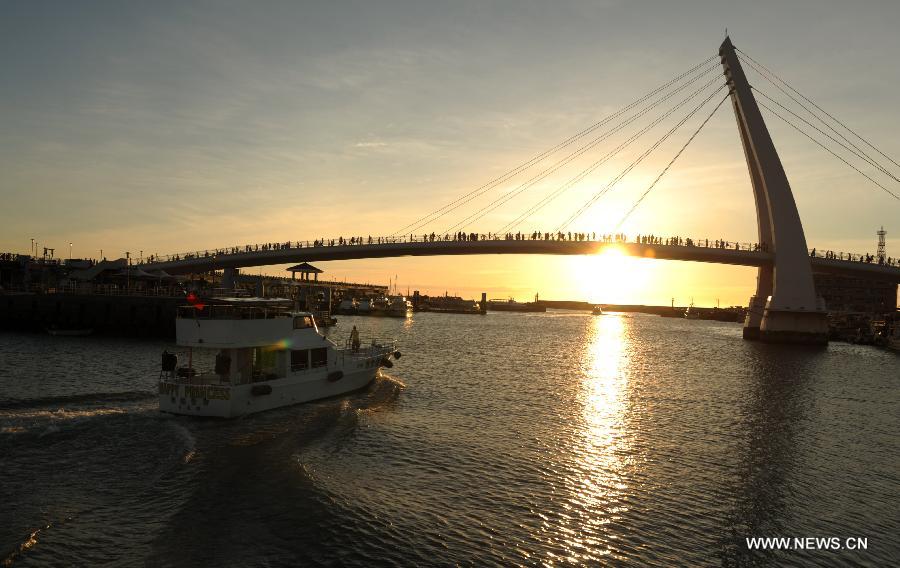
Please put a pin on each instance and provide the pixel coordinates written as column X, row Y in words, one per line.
column 240, row 308
column 228, row 326
column 249, row 300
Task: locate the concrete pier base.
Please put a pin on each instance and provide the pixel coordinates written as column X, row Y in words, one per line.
column 795, row 327
column 229, row 276
column 802, row 327
column 755, row 309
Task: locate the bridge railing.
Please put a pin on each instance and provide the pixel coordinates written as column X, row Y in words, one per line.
column 472, row 237
column 854, row 257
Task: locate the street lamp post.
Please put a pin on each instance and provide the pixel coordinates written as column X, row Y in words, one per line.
column 70, row 251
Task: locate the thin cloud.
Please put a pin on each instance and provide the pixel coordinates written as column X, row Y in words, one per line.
column 375, row 144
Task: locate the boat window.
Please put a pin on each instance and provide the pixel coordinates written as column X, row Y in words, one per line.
column 319, row 357
column 303, row 322
column 299, row 359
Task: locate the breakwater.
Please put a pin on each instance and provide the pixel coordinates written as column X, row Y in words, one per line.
column 141, row 316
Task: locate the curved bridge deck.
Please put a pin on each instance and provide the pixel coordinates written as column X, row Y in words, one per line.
column 734, row 255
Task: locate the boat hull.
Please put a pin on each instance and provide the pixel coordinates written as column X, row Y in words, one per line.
column 229, row 401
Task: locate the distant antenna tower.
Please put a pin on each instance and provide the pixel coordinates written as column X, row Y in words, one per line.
column 881, row 252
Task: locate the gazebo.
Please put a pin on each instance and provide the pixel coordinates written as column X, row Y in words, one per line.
column 305, row 269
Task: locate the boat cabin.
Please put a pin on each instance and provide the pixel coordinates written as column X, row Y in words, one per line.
column 245, row 340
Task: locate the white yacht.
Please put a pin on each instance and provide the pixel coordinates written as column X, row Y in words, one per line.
column 245, row 355
column 399, row 307
column 380, row 306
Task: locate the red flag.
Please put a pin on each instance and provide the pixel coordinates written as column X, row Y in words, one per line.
column 195, row 301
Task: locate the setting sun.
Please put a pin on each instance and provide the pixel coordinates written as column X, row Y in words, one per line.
column 611, row 277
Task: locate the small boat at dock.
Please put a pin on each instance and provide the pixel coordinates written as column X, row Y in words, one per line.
column 399, row 307
column 691, row 312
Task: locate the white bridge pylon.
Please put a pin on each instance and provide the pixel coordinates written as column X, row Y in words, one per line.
column 785, row 308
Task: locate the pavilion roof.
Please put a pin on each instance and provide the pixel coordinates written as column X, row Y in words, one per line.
column 306, row 268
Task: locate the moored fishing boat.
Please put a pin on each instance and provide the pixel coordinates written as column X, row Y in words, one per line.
column 380, row 306
column 247, row 355
column 511, row 305
column 450, row 305
column 399, row 307
column 691, row 312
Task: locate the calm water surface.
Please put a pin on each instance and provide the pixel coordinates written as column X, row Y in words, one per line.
column 511, row 439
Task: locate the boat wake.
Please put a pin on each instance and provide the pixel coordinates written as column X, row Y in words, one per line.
column 47, row 416
column 96, row 398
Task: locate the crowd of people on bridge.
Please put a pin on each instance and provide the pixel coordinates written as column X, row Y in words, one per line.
column 460, row 236
column 870, row 258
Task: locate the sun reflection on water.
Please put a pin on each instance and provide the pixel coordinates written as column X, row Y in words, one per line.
column 597, row 484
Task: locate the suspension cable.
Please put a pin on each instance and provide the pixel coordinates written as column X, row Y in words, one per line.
column 859, row 152
column 587, row 171
column 829, row 150
column 577, row 153
column 587, row 205
column 830, row 137
column 669, row 165
column 545, row 173
column 539, row 157
column 804, row 97
column 865, row 156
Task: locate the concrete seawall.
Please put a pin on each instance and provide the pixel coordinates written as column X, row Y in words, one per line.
column 137, row 316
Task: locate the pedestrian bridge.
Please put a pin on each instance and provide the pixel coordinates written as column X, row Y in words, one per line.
column 719, row 252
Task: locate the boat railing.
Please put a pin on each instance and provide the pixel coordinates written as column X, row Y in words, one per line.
column 204, row 311
column 367, row 348
column 191, row 376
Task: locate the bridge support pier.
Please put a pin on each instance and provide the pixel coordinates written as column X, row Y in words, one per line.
column 792, row 326
column 753, row 321
column 770, row 325
column 785, row 308
column 228, row 277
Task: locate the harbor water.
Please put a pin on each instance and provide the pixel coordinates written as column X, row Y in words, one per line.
column 555, row 438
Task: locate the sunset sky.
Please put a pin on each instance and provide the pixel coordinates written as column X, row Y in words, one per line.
column 175, row 126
